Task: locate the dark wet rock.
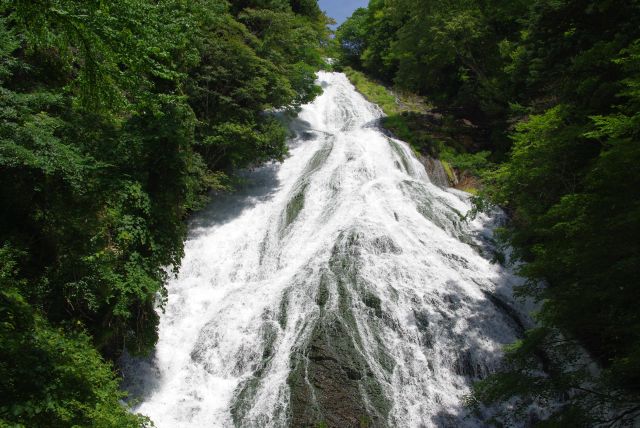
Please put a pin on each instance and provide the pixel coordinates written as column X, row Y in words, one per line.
column 406, row 163
column 510, row 314
column 431, row 208
column 269, row 336
column 296, row 203
column 453, row 301
column 466, row 365
column 243, row 399
column 323, row 292
column 391, row 322
column 445, row 420
column 455, row 260
column 372, row 301
column 332, row 384
column 294, row 206
column 422, row 322
column 282, row 313
column 435, row 171
column 384, row 244
column 427, row 340
column 422, row 319
column 376, row 124
column 307, row 135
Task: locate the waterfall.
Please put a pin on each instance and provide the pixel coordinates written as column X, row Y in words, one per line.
column 340, row 288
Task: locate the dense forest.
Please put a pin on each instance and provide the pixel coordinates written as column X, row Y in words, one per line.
column 553, row 88
column 116, row 120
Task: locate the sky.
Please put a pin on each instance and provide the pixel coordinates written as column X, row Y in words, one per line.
column 341, row 9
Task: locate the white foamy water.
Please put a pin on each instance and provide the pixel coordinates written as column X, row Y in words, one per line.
column 346, row 241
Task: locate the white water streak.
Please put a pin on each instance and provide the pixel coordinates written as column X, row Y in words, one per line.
column 225, row 318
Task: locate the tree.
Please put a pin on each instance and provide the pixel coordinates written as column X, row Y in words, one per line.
column 116, row 119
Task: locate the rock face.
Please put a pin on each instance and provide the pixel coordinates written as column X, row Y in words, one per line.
column 331, row 385
column 435, row 170
column 331, row 382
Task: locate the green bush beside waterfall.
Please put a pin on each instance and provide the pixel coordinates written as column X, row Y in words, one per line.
column 554, row 89
column 116, row 120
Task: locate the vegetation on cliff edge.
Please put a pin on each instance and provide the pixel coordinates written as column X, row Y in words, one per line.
column 554, row 89
column 116, row 119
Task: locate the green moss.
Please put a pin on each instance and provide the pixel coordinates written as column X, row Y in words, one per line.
column 399, row 126
column 409, row 119
column 296, row 203
column 294, row 206
column 373, row 92
column 395, row 107
column 449, row 170
column 470, row 189
column 318, row 159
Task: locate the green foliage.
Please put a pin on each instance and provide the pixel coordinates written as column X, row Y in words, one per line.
column 554, row 89
column 446, row 51
column 374, row 92
column 116, row 119
column 351, row 36
column 51, row 376
column 381, row 96
column 475, row 163
column 571, row 182
column 405, row 120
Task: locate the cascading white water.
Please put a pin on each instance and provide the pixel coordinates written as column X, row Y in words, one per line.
column 341, row 288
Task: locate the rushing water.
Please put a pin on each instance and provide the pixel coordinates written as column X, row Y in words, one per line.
column 340, row 288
